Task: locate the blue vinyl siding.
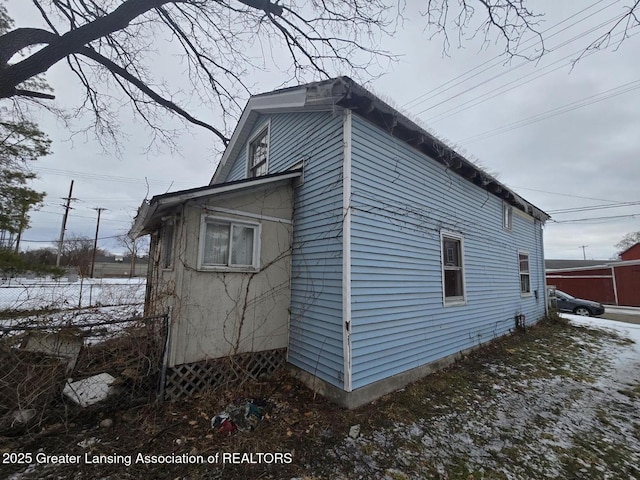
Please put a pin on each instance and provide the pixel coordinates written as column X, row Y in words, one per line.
column 239, row 168
column 401, row 202
column 292, row 138
column 315, row 332
column 315, row 335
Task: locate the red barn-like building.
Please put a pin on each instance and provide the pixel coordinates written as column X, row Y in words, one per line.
column 612, row 283
column 631, row 253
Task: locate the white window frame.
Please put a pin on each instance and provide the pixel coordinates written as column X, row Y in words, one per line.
column 263, row 130
column 453, row 301
column 521, row 273
column 228, row 267
column 507, row 216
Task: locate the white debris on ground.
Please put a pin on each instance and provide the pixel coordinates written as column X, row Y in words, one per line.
column 583, row 422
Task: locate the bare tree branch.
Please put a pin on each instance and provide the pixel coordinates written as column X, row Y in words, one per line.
column 113, row 47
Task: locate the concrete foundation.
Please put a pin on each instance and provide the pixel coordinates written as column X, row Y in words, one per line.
column 364, row 395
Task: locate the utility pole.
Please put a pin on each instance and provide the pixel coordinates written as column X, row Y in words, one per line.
column 132, row 269
column 95, row 242
column 67, row 207
column 584, row 254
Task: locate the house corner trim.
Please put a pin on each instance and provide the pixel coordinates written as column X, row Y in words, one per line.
column 346, row 249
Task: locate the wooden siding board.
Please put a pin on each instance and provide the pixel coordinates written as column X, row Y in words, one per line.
column 401, row 201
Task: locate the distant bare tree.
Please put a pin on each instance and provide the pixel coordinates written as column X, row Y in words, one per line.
column 134, row 248
column 77, row 251
column 629, row 240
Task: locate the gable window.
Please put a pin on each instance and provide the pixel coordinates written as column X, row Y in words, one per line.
column 525, row 275
column 452, row 268
column 258, row 154
column 168, row 232
column 507, row 216
column 228, row 244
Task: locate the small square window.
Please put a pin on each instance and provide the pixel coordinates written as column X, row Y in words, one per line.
column 452, row 270
column 258, row 154
column 525, row 274
column 228, row 244
column 507, row 216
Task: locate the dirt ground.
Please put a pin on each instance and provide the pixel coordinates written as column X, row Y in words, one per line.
column 558, row 401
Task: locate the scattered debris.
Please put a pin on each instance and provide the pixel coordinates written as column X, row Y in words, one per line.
column 354, row 431
column 242, row 417
column 90, row 390
column 88, row 442
column 64, row 345
column 106, row 423
column 24, row 416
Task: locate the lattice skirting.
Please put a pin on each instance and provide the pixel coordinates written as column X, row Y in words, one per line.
column 184, row 380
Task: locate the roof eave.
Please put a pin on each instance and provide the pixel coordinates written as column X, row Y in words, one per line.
column 344, row 92
column 147, row 213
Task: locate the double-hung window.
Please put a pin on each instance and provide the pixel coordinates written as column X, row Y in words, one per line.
column 229, row 244
column 525, row 275
column 452, row 269
column 258, row 154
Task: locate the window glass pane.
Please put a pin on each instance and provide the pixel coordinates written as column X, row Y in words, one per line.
column 242, row 245
column 451, row 252
column 167, row 245
column 258, row 150
column 524, row 262
column 216, row 244
column 525, row 284
column 261, row 169
column 453, row 283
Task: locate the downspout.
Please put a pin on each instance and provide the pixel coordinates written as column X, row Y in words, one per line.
column 544, row 273
column 346, row 250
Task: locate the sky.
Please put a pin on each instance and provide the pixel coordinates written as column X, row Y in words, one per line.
column 564, row 136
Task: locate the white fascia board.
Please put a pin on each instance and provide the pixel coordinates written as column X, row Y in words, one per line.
column 140, row 220
column 294, row 98
column 147, row 211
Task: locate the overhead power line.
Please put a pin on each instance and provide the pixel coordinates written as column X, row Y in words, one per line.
column 514, row 84
column 569, row 107
column 515, row 67
column 566, row 195
column 105, row 178
column 84, row 216
column 499, row 59
column 593, row 219
column 108, row 237
column 593, row 207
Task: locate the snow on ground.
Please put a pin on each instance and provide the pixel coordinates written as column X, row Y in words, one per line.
column 51, row 303
column 541, row 414
column 34, row 294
